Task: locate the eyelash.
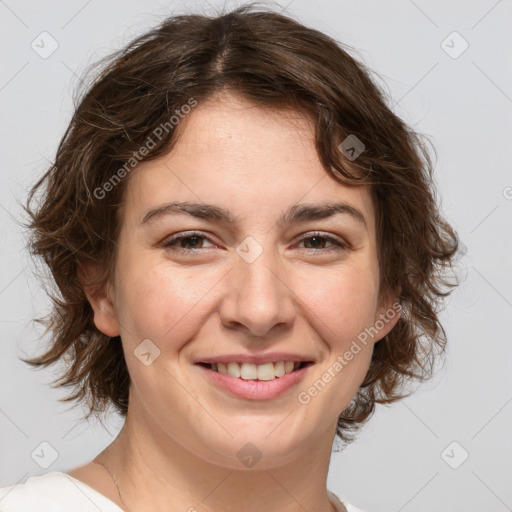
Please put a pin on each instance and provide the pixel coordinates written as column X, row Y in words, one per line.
column 339, row 246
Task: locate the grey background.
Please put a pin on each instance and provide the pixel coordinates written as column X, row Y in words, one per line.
column 464, row 104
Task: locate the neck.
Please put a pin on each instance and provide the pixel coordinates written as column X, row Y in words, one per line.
column 146, row 462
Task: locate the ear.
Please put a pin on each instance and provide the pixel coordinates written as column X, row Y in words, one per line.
column 387, row 315
column 100, row 299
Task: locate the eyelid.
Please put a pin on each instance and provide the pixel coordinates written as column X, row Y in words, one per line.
column 338, row 244
column 186, row 234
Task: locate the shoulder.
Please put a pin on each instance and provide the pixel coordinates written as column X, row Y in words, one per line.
column 339, row 503
column 53, row 492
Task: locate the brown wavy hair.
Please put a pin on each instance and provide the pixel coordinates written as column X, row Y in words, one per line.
column 275, row 62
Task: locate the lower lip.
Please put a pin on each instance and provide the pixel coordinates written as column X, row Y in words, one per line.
column 255, row 389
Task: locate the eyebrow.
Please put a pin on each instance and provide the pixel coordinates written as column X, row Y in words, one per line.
column 296, row 213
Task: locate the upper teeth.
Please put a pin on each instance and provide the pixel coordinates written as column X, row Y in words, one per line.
column 250, row 371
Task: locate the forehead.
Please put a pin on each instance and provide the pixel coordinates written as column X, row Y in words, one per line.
column 250, row 159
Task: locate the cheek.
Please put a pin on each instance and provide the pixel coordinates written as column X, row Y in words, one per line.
column 344, row 302
column 159, row 303
column 342, row 309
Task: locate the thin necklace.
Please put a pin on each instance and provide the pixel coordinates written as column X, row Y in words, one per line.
column 128, row 510
column 116, row 484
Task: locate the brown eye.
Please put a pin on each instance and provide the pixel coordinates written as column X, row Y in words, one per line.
column 317, row 243
column 190, row 242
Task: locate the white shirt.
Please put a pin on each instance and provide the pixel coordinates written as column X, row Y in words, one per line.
column 59, row 492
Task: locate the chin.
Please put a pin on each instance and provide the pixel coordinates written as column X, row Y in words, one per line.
column 257, row 447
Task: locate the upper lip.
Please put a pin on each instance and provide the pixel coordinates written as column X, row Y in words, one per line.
column 273, row 357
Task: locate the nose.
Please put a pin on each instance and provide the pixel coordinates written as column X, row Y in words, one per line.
column 258, row 299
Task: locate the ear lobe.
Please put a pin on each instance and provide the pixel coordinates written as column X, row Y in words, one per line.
column 387, row 316
column 100, row 299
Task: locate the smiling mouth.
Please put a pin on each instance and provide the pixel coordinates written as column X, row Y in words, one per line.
column 251, row 371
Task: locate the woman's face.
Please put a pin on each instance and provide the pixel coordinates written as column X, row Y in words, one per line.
column 277, row 280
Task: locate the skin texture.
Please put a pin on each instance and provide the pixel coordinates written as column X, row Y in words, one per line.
column 178, row 448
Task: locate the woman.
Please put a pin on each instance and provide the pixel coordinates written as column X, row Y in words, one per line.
column 249, row 253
